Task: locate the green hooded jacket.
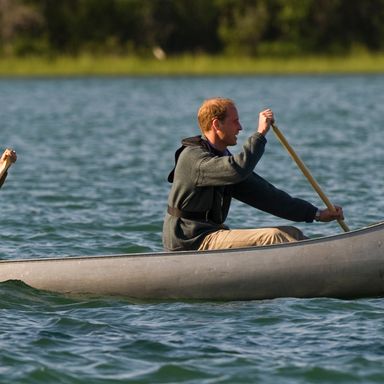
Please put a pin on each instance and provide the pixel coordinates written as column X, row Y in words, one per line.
column 204, row 181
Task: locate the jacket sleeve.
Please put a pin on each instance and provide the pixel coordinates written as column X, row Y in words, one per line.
column 259, row 193
column 227, row 170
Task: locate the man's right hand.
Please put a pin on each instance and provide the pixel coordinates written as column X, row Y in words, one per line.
column 8, row 154
column 266, row 118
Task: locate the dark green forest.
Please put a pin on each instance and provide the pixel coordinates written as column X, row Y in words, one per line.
column 175, row 27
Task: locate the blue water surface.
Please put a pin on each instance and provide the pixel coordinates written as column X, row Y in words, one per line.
column 93, row 157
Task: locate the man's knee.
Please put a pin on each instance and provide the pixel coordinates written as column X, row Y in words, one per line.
column 288, row 234
column 293, row 232
column 277, row 236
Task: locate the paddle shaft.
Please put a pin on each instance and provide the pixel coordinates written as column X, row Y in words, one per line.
column 4, row 167
column 307, row 174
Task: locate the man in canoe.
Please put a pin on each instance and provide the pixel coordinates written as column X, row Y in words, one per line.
column 7, row 158
column 207, row 176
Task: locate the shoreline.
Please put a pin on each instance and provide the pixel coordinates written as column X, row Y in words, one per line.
column 188, row 65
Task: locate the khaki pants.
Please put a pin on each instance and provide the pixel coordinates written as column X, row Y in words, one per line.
column 240, row 238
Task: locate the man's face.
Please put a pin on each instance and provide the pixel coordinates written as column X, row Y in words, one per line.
column 229, row 128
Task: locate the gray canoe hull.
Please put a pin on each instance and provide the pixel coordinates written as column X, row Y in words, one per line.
column 346, row 266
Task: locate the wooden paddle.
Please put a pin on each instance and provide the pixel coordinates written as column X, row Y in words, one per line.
column 5, row 164
column 307, row 174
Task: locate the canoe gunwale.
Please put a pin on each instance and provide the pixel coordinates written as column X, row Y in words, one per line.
column 347, row 265
column 312, row 241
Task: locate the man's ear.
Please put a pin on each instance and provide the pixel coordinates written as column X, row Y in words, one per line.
column 216, row 125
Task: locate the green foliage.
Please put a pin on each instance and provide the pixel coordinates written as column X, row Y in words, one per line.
column 235, row 27
column 243, row 27
column 188, row 65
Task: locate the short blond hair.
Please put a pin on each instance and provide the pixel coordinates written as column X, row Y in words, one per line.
column 215, row 108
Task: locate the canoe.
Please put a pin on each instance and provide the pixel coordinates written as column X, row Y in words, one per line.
column 348, row 265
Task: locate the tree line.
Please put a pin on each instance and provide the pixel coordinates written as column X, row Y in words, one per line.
column 174, row 27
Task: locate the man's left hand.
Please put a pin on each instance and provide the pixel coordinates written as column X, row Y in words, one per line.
column 329, row 215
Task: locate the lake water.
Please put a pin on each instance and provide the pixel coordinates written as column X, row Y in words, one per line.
column 93, row 157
